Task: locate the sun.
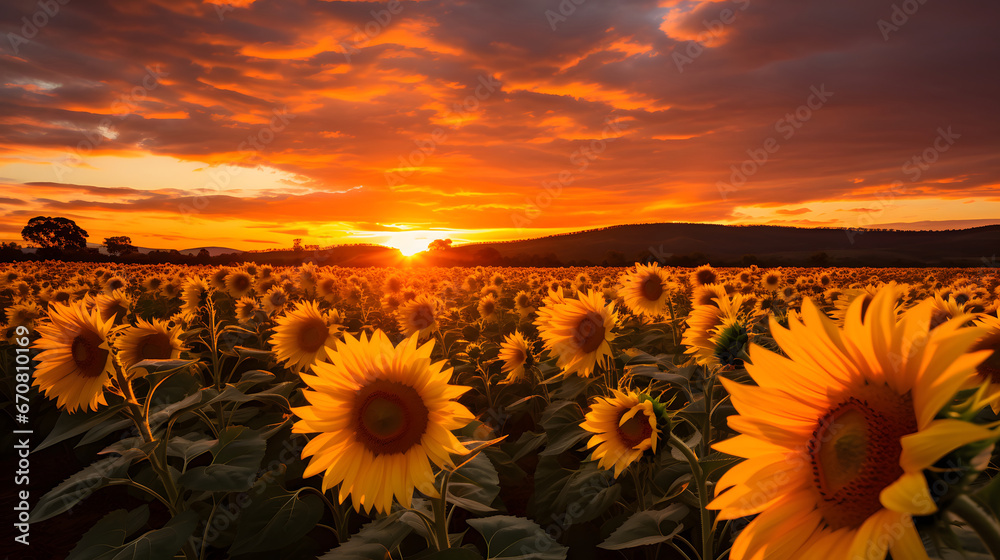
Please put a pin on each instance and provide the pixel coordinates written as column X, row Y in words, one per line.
column 409, row 243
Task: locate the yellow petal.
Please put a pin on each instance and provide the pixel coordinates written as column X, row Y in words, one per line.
column 909, row 494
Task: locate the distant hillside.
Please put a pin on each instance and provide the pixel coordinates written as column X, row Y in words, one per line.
column 686, row 244
column 212, row 251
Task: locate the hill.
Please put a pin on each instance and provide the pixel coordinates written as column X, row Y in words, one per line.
column 688, row 244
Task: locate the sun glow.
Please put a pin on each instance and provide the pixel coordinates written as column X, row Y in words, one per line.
column 409, row 243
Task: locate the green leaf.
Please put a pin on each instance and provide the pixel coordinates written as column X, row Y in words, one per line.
column 517, row 538
column 561, row 420
column 188, row 449
column 273, row 394
column 191, row 402
column 78, row 487
column 572, row 495
column 647, row 527
column 159, row 544
column 475, row 485
column 109, row 533
column 989, row 495
column 161, row 366
column 275, row 519
column 69, row 425
column 101, row 430
column 373, row 542
column 528, row 442
column 253, row 377
column 236, row 457
column 262, row 355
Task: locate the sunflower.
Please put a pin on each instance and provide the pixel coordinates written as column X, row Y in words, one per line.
column 238, row 283
column 304, row 336
column 419, row 315
column 703, row 275
column 838, row 435
column 646, row 290
column 624, row 427
column 246, row 308
column 488, row 308
column 75, row 364
column 717, row 333
column 384, row 415
column 771, row 280
column 515, row 352
column 578, row 331
column 195, row 295
column 25, row 313
column 275, row 300
column 989, row 369
column 522, row 303
column 148, row 340
column 114, row 306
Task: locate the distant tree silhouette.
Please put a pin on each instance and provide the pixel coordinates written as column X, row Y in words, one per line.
column 439, row 244
column 119, row 245
column 297, row 244
column 59, row 233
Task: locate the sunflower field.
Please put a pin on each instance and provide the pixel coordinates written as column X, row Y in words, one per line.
column 460, row 413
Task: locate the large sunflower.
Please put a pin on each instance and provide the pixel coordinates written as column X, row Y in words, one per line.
column 646, row 289
column 384, row 415
column 148, row 340
column 578, row 331
column 304, row 336
column 624, row 427
column 75, row 364
column 838, row 435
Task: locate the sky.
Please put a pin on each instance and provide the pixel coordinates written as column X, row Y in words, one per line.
column 184, row 124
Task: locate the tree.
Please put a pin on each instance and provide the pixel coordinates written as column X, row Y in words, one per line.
column 439, row 244
column 119, row 245
column 61, row 233
column 297, row 244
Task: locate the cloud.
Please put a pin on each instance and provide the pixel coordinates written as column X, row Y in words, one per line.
column 469, row 113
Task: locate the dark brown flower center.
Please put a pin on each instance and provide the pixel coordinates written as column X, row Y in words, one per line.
column 589, row 333
column 706, row 276
column 855, row 452
column 312, row 334
column 635, row 430
column 423, row 317
column 652, row 288
column 389, row 417
column 155, row 346
column 89, row 357
column 240, row 282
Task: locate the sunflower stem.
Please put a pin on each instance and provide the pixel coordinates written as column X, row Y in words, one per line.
column 440, row 519
column 702, row 487
column 980, row 520
column 706, row 433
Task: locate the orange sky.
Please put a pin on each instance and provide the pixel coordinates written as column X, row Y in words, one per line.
column 245, row 125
